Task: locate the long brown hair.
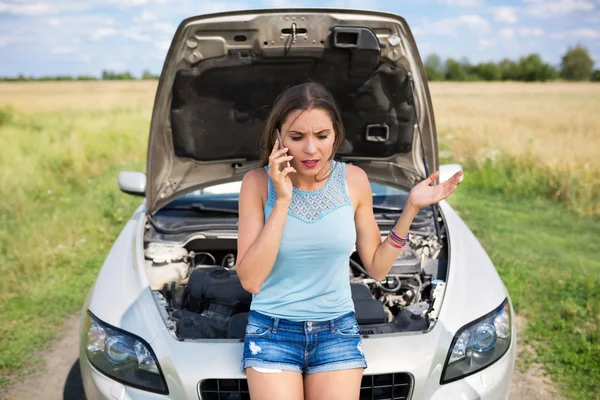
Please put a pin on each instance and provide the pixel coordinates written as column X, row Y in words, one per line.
column 304, row 97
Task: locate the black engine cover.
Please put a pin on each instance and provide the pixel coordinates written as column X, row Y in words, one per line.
column 218, row 290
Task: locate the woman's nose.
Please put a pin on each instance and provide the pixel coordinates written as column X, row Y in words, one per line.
column 310, row 146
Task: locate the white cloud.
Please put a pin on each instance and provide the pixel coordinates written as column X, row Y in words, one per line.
column 511, row 33
column 163, row 27
column 435, row 28
column 25, row 9
column 163, row 45
column 461, row 3
column 507, row 32
column 506, row 14
column 4, row 40
column 485, row 43
column 593, row 18
column 556, row 8
column 288, row 3
column 581, row 33
column 586, row 33
column 54, row 22
column 42, row 7
column 531, row 32
column 116, row 65
column 71, row 24
column 102, row 33
column 475, row 22
column 134, row 3
column 63, row 50
column 146, row 16
column 137, row 36
column 451, row 26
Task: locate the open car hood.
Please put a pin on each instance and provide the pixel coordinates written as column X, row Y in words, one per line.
column 223, row 72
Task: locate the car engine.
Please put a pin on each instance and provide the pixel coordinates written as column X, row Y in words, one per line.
column 200, row 295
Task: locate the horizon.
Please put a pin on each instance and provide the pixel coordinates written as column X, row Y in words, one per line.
column 39, row 38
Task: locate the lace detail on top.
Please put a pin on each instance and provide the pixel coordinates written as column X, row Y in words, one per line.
column 311, row 206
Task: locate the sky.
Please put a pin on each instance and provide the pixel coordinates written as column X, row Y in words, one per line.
column 75, row 37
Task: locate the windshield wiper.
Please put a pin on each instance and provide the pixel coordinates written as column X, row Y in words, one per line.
column 201, row 207
column 161, row 228
column 204, row 207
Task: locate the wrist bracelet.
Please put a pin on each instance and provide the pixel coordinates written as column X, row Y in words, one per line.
column 397, row 241
column 397, row 246
column 395, row 236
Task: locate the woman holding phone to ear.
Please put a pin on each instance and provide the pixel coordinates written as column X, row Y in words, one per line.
column 298, row 224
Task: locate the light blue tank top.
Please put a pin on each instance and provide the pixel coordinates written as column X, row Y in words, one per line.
column 310, row 277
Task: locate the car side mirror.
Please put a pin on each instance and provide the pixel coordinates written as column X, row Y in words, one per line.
column 447, row 170
column 132, row 182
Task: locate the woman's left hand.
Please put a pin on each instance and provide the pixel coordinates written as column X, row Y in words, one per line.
column 423, row 195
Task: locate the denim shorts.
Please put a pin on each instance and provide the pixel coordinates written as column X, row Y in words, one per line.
column 305, row 347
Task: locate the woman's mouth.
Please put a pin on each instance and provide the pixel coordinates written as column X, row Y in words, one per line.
column 310, row 163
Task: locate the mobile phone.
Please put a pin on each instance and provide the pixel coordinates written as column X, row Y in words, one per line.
column 281, row 144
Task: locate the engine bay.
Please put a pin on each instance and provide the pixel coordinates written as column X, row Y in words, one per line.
column 199, row 294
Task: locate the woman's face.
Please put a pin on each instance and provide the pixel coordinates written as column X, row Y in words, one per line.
column 309, row 135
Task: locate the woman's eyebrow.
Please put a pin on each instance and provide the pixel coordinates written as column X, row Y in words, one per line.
column 316, row 133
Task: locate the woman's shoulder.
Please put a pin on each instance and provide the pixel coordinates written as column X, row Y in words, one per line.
column 256, row 174
column 356, row 177
column 255, row 181
column 358, row 185
column 256, row 177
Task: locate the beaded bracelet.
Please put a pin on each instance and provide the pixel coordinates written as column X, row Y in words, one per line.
column 395, row 236
column 393, row 244
column 396, row 241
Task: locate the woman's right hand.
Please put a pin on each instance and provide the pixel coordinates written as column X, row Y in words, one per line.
column 281, row 180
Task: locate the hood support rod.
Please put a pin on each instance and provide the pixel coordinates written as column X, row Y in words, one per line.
column 433, row 206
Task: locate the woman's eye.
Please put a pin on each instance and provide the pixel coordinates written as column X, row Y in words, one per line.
column 323, row 137
column 296, row 138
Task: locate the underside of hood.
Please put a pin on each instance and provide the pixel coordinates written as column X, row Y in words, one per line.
column 224, row 71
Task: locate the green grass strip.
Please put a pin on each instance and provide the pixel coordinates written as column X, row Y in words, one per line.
column 548, row 259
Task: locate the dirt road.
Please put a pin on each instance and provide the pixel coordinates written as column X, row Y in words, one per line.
column 60, row 377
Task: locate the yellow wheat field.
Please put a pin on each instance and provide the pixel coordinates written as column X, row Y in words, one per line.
column 549, row 130
column 557, row 122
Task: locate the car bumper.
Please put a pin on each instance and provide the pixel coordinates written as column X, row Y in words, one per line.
column 492, row 383
column 98, row 386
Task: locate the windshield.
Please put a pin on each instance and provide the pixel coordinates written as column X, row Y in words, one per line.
column 226, row 195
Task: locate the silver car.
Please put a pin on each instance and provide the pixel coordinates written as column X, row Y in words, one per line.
column 166, row 316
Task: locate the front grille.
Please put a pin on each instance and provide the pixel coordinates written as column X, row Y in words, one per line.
column 386, row 387
column 373, row 387
column 224, row 389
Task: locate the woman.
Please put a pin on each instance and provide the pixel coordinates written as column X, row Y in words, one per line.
column 299, row 219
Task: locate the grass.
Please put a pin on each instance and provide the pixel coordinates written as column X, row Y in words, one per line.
column 63, row 145
column 524, row 176
column 547, row 257
column 60, row 213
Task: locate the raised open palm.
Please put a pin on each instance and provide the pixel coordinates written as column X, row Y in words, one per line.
column 423, row 195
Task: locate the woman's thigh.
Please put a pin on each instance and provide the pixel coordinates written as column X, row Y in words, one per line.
column 333, row 385
column 269, row 386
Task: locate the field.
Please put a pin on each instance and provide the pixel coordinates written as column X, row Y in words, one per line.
column 530, row 193
column 539, row 139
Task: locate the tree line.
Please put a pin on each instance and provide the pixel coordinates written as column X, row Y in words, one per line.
column 576, row 65
column 107, row 75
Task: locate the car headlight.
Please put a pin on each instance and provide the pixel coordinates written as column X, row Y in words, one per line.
column 122, row 356
column 478, row 344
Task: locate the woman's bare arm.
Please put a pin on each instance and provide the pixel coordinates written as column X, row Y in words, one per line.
column 258, row 242
column 378, row 256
